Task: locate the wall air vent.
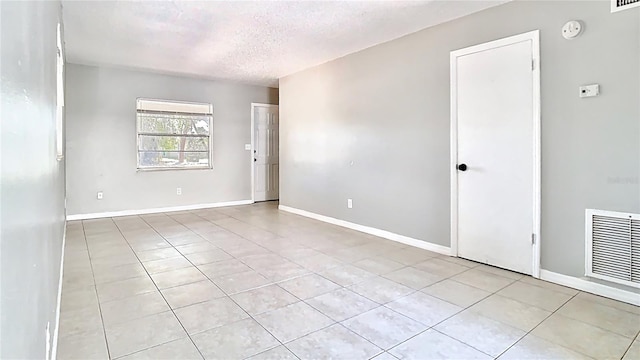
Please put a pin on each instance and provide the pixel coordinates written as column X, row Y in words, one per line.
column 619, row 5
column 613, row 246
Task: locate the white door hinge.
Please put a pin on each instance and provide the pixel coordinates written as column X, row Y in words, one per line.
column 533, row 64
column 533, row 239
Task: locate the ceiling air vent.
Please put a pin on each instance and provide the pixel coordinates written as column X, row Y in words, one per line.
column 613, row 246
column 619, row 5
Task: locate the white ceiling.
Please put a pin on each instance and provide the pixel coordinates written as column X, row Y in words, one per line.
column 255, row 42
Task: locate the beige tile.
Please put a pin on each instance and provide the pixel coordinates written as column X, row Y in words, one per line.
column 532, row 348
column 85, row 345
column 125, row 288
column 116, row 273
column 263, row 260
column 349, row 255
column 264, row 299
column 86, row 319
column 483, row 280
column 413, row 278
column 434, row 345
column 78, row 298
column 78, row 279
column 606, row 317
column 424, row 308
column 456, row 293
column 334, row 342
column 341, row 304
column 151, row 244
column 182, row 349
column 460, row 261
column 541, row 297
column 319, row 263
column 225, row 267
column 309, row 286
column 186, row 239
column 384, row 356
column 129, row 337
column 582, row 337
column 196, row 248
column 210, row 314
column 511, row 312
column 247, row 250
column 489, row 336
column 158, row 266
column 184, row 295
column 609, row 302
column 633, row 353
column 279, row 353
column 293, row 321
column 158, row 254
column 111, row 250
column 410, row 256
column 239, row 282
column 500, row 272
column 238, row 340
column 384, row 327
column 347, row 275
column 132, row 308
column 283, row 271
column 208, row 257
column 177, row 277
column 549, row 285
column 378, row 265
column 381, row 290
column 298, row 253
column 440, row 267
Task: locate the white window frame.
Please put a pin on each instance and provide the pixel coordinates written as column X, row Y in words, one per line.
column 173, row 106
column 59, row 95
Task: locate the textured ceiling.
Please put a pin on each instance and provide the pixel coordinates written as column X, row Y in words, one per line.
column 255, row 42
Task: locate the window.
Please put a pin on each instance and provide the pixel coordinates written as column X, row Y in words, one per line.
column 59, row 97
column 173, row 135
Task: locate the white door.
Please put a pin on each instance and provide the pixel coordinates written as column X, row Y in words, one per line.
column 265, row 152
column 495, row 117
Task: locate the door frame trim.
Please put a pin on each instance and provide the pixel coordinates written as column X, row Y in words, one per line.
column 534, row 37
column 253, row 173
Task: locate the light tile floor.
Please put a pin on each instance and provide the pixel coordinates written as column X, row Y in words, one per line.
column 254, row 282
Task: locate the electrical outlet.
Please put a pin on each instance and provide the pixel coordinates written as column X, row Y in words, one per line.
column 99, row 195
column 589, row 90
column 247, row 146
column 178, row 191
column 350, row 203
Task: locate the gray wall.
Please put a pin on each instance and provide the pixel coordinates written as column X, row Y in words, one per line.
column 32, row 180
column 101, row 140
column 386, row 109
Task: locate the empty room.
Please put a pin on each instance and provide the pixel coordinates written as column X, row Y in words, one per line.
column 435, row 179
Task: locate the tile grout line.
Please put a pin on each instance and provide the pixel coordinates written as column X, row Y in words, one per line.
column 156, row 286
column 303, row 301
column 457, row 313
column 636, row 338
column 540, row 323
column 223, row 291
column 344, row 263
column 381, row 305
column 104, row 330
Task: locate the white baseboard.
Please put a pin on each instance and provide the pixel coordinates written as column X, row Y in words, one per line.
column 156, row 210
column 369, row 230
column 591, row 287
column 54, row 346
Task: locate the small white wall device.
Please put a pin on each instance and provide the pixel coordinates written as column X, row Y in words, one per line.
column 572, row 29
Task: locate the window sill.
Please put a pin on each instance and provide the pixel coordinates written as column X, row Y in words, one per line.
column 149, row 169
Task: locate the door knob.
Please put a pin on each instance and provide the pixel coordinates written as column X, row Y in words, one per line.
column 462, row 167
